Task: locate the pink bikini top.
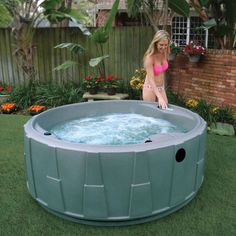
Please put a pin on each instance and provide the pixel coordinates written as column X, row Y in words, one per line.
column 158, row 69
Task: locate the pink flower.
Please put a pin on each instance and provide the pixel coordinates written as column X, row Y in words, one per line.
column 87, row 78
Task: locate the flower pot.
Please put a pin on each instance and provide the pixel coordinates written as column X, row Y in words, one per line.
column 111, row 91
column 194, row 58
column 93, row 90
column 171, row 56
column 4, row 98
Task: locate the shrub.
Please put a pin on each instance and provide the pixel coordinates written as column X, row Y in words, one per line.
column 207, row 111
column 47, row 94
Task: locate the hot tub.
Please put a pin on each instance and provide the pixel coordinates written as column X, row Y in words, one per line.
column 114, row 184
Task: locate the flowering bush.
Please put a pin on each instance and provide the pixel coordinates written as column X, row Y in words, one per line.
column 111, row 82
column 92, row 82
column 209, row 112
column 5, row 89
column 138, row 78
column 174, row 48
column 8, row 107
column 193, row 49
column 37, row 108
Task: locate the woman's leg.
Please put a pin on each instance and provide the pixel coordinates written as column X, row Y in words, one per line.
column 148, row 95
column 163, row 93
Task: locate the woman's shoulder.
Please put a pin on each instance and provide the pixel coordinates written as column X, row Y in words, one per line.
column 149, row 59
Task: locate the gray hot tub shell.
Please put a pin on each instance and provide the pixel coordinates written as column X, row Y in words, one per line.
column 114, row 185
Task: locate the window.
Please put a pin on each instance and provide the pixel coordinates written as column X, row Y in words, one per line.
column 186, row 29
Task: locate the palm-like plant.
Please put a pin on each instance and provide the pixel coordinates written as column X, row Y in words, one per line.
column 161, row 8
column 26, row 15
column 223, row 19
column 216, row 14
column 99, row 37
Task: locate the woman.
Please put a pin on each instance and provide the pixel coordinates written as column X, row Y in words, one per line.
column 155, row 64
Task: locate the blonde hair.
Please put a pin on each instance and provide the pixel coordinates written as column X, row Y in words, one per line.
column 159, row 35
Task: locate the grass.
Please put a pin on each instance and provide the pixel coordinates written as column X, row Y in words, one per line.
column 212, row 211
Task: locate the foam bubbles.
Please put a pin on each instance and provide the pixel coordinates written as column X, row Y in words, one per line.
column 112, row 129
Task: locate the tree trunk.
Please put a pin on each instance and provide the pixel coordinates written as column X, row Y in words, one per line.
column 65, row 22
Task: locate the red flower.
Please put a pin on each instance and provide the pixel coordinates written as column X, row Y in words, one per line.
column 111, row 82
column 91, row 82
column 5, row 89
column 109, row 77
column 193, row 49
column 8, row 88
column 99, row 79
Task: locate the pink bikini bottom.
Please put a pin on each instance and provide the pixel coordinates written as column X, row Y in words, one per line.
column 148, row 86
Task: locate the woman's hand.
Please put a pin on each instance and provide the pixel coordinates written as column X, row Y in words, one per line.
column 162, row 103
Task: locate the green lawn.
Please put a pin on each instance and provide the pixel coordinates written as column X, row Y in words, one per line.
column 212, row 211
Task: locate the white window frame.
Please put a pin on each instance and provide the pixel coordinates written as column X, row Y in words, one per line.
column 187, row 39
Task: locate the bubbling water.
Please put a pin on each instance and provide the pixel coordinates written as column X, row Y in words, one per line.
column 113, row 129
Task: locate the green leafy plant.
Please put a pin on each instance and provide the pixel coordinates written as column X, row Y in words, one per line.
column 48, row 94
column 24, row 95
column 211, row 113
column 111, row 82
column 174, row 48
column 134, row 7
column 174, row 98
column 27, row 14
column 99, row 37
column 224, row 114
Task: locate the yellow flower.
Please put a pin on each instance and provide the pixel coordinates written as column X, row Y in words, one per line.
column 215, row 109
column 234, row 115
column 191, row 103
column 138, row 78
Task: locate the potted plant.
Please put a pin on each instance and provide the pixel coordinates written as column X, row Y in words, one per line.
column 193, row 51
column 174, row 50
column 92, row 83
column 111, row 83
column 5, row 91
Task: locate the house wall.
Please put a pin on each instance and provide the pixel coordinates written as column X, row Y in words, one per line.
column 213, row 78
column 101, row 17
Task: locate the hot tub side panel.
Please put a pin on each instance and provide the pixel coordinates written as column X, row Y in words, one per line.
column 113, row 186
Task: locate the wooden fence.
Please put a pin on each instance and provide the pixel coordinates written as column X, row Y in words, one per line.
column 125, row 48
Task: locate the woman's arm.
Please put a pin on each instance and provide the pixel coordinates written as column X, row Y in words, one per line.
column 148, row 64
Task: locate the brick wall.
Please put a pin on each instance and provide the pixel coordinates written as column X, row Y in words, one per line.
column 101, row 18
column 213, row 78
